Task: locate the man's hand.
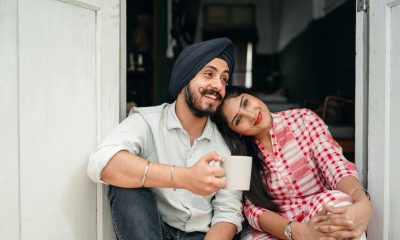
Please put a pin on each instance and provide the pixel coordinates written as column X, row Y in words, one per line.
column 204, row 179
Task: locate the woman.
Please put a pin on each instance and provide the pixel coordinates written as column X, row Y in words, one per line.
column 302, row 186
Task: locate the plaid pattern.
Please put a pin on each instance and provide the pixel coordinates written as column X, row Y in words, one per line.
column 306, row 163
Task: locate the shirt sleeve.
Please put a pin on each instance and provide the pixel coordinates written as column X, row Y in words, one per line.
column 253, row 213
column 227, row 206
column 130, row 135
column 327, row 152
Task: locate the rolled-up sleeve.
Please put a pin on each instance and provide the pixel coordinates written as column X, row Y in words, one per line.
column 327, row 152
column 130, row 135
column 253, row 213
column 227, row 206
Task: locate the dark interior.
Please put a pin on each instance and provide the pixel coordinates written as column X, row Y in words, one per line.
column 311, row 66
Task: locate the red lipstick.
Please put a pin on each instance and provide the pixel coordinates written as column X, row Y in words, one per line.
column 259, row 118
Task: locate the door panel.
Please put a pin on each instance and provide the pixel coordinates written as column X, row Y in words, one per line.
column 393, row 12
column 57, row 119
column 384, row 116
column 9, row 142
column 61, row 92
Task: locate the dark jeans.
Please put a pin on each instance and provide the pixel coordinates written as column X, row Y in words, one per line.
column 135, row 216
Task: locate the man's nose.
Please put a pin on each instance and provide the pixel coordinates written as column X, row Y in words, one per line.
column 217, row 83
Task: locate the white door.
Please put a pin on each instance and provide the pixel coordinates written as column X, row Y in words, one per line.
column 60, row 77
column 382, row 51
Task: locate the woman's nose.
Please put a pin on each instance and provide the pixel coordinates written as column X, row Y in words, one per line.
column 247, row 114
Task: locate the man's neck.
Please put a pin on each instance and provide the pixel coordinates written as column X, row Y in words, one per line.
column 192, row 124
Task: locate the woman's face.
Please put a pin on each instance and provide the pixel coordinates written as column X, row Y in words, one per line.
column 247, row 115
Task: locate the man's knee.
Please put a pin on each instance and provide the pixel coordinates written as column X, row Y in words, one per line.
column 133, row 202
column 134, row 213
column 127, row 195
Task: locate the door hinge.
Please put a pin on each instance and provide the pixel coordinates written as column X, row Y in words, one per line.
column 362, row 5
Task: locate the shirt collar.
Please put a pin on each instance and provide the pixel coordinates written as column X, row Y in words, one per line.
column 173, row 123
column 172, row 119
column 275, row 123
column 208, row 130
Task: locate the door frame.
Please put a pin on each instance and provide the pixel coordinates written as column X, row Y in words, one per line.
column 105, row 230
column 361, row 109
column 376, row 98
column 361, row 95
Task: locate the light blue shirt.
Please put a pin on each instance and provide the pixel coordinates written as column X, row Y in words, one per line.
column 156, row 134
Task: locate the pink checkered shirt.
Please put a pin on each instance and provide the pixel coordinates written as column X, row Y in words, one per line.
column 306, row 163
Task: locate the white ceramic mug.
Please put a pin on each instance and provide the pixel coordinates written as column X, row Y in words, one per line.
column 237, row 172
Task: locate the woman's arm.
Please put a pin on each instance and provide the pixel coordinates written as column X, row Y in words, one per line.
column 351, row 185
column 341, row 175
column 359, row 212
column 275, row 224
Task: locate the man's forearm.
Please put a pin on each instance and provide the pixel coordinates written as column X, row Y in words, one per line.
column 127, row 170
column 221, row 230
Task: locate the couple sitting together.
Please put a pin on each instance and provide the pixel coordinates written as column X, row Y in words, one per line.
column 162, row 185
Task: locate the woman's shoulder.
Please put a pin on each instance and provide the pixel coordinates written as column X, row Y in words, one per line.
column 295, row 112
column 296, row 118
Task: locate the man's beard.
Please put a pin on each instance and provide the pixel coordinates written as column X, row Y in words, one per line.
column 194, row 104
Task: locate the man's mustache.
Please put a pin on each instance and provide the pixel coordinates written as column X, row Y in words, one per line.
column 210, row 91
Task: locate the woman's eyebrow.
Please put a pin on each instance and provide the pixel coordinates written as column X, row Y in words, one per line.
column 240, row 106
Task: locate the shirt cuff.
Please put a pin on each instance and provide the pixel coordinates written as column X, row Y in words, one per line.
column 227, row 206
column 230, row 218
column 253, row 220
column 348, row 169
column 253, row 213
column 99, row 159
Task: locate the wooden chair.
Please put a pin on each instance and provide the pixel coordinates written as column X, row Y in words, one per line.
column 339, row 114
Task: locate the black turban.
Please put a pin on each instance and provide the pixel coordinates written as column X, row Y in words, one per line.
column 193, row 58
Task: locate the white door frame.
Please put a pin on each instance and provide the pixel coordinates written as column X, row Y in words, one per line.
column 361, row 95
column 377, row 98
column 105, row 230
column 122, row 51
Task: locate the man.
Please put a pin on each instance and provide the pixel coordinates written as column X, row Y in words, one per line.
column 162, row 162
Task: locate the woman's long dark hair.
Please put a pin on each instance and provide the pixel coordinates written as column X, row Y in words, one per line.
column 259, row 193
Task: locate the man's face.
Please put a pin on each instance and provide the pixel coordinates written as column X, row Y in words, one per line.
column 206, row 90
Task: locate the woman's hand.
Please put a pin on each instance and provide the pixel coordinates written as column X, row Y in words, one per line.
column 307, row 231
column 345, row 222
